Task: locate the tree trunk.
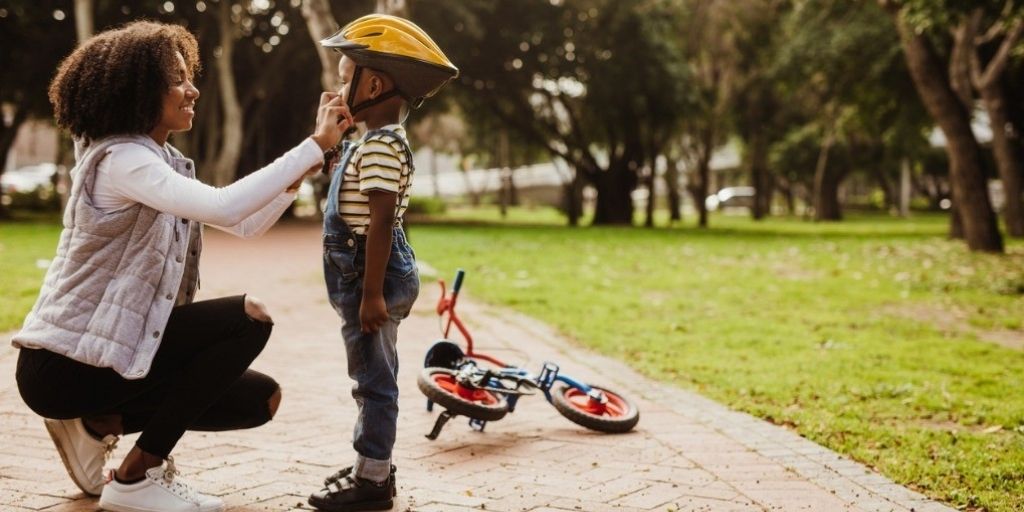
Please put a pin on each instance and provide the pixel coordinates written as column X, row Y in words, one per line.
column 760, row 176
column 231, row 137
column 84, row 25
column 614, row 196
column 969, row 187
column 956, row 222
column 675, row 210
column 826, row 183
column 1008, row 160
column 789, row 196
column 573, row 198
column 707, row 148
column 960, row 63
column 826, row 196
column 905, row 188
column 649, row 207
column 321, row 24
column 9, row 132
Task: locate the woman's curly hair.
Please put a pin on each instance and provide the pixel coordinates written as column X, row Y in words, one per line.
column 114, row 83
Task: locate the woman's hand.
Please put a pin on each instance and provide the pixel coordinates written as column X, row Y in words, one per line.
column 332, row 120
column 294, row 187
column 257, row 310
column 373, row 312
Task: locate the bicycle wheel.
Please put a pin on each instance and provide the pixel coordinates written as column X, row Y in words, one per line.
column 439, row 385
column 618, row 414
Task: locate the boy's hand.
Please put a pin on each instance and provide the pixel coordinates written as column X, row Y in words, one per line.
column 332, row 120
column 373, row 312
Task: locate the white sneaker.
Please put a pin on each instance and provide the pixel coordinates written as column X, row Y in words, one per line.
column 83, row 455
column 160, row 491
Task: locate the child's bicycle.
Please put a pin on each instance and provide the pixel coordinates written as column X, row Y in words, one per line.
column 462, row 383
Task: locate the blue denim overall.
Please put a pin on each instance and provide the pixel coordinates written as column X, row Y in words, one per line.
column 372, row 358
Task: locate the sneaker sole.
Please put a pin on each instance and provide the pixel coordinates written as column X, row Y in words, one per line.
column 59, row 434
column 114, row 507
column 352, row 507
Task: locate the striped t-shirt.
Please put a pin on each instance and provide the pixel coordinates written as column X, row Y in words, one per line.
column 379, row 163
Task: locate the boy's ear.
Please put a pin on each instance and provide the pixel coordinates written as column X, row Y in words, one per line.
column 376, row 85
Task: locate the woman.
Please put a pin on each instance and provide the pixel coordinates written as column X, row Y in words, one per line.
column 115, row 344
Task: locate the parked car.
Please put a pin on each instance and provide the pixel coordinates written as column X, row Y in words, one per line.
column 30, row 186
column 730, row 197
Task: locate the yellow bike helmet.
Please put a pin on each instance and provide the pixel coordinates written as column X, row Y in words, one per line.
column 399, row 48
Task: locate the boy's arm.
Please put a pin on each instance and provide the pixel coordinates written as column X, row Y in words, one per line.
column 373, row 311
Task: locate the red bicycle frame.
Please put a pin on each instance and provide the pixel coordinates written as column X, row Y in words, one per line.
column 445, row 305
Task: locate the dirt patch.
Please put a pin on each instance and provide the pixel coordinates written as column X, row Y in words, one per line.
column 955, row 321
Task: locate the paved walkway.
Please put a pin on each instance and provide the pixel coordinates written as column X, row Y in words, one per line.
column 687, row 453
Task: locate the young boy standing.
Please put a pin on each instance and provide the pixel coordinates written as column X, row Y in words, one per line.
column 388, row 65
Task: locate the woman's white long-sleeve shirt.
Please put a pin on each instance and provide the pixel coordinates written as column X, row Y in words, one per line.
column 248, row 207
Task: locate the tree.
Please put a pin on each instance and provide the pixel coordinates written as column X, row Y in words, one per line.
column 321, row 24
column 986, row 76
column 757, row 109
column 44, row 27
column 842, row 74
column 598, row 83
column 712, row 61
column 928, row 68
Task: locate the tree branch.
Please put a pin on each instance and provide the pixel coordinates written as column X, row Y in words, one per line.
column 998, row 64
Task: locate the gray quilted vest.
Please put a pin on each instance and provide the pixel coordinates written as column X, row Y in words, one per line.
column 116, row 276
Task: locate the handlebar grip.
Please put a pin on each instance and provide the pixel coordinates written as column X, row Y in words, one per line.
column 457, row 285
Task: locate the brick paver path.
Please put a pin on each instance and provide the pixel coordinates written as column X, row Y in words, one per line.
column 688, row 453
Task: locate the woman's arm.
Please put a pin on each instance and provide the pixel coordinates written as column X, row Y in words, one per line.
column 261, row 221
column 133, row 173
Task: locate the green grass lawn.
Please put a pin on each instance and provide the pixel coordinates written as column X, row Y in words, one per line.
column 26, row 246
column 875, row 336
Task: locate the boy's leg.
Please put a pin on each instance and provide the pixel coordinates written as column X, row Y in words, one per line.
column 373, row 365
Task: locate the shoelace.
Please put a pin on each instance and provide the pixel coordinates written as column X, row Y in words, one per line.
column 181, row 489
column 111, row 444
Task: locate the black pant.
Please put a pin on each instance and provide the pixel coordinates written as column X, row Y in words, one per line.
column 199, row 379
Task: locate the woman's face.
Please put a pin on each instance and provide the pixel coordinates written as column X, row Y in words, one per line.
column 179, row 100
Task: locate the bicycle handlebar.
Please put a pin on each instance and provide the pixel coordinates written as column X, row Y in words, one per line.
column 459, row 275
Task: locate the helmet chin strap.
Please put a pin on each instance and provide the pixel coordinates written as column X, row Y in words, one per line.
column 354, row 107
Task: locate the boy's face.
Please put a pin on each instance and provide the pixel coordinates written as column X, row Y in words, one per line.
column 370, row 85
column 346, row 68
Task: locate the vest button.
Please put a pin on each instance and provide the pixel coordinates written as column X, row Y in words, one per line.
column 156, row 334
column 170, row 297
column 188, row 165
column 178, row 259
column 351, row 242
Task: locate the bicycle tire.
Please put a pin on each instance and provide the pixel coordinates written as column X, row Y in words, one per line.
column 620, row 416
column 438, row 385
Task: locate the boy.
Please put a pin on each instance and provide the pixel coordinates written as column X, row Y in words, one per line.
column 389, row 65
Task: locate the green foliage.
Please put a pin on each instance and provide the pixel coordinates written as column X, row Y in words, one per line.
column 419, row 205
column 875, row 337
column 569, row 77
column 841, row 69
